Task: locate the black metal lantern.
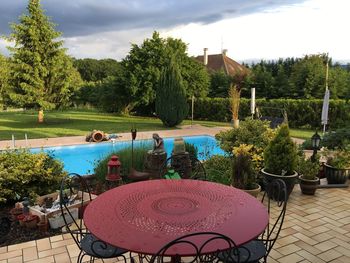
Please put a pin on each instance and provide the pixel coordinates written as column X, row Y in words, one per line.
column 315, row 140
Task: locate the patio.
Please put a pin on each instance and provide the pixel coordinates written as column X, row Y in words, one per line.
column 316, row 229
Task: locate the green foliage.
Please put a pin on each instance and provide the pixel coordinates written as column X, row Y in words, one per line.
column 144, row 63
column 92, row 70
column 4, row 85
column 338, row 139
column 306, row 167
column 191, row 149
column 243, row 174
column 171, row 103
column 219, row 169
column 299, row 78
column 42, row 75
column 219, row 84
column 26, row 174
column 301, row 113
column 280, row 156
column 124, row 155
column 250, row 131
column 339, row 158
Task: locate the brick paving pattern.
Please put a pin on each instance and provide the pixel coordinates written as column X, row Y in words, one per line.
column 316, row 230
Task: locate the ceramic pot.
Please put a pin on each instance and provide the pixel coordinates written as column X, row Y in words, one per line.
column 308, row 187
column 288, row 179
column 254, row 192
column 43, row 226
column 335, row 175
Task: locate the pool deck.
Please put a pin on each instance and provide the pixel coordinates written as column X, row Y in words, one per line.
column 186, row 130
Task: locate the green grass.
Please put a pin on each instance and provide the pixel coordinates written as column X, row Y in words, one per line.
column 301, row 134
column 76, row 122
column 81, row 122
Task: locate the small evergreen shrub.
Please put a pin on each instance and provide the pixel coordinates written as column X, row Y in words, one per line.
column 26, row 174
column 280, row 156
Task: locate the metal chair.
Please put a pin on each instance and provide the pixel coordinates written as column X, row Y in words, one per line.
column 196, row 245
column 74, row 186
column 190, row 168
column 275, row 198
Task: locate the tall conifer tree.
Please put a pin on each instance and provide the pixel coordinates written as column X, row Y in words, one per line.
column 171, row 102
column 42, row 75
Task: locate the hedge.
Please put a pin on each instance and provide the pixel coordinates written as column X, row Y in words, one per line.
column 302, row 113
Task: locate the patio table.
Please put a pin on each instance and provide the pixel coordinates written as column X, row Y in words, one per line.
column 142, row 217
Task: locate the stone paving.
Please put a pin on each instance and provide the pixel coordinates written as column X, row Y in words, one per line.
column 316, row 229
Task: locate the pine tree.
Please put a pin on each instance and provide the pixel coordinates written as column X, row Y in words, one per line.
column 171, row 102
column 42, row 75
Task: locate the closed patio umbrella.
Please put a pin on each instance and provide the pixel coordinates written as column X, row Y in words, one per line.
column 325, row 106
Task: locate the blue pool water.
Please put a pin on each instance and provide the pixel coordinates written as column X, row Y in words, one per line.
column 81, row 158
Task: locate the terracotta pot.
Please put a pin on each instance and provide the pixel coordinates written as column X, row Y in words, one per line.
column 20, row 219
column 15, row 212
column 43, row 226
column 308, row 187
column 254, row 192
column 31, row 221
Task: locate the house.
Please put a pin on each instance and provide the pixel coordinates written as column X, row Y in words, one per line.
column 219, row 62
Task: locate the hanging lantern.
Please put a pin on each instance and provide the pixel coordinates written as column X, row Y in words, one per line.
column 113, row 173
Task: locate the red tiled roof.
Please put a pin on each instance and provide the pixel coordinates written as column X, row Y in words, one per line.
column 222, row 62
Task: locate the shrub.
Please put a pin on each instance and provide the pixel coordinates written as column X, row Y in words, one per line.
column 125, row 158
column 171, row 102
column 23, row 173
column 243, row 174
column 280, row 156
column 337, row 139
column 191, row 149
column 250, row 131
column 219, row 169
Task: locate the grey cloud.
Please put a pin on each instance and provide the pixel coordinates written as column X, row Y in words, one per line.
column 88, row 17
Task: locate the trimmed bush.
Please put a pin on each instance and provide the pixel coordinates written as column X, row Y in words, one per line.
column 26, row 174
column 171, row 102
column 301, row 113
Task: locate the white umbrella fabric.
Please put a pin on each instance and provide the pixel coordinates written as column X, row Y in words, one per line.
column 325, row 107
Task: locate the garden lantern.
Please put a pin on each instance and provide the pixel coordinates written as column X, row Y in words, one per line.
column 315, row 140
column 113, row 173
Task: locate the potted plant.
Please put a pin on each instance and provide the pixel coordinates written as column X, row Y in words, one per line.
column 308, row 171
column 280, row 159
column 243, row 174
column 337, row 167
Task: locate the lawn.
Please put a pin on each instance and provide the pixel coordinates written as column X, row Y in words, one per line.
column 81, row 122
column 76, row 122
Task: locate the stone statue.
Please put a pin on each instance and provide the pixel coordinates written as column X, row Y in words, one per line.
column 158, row 144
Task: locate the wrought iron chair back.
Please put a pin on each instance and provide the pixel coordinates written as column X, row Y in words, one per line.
column 195, row 245
column 275, row 198
column 75, row 185
column 188, row 169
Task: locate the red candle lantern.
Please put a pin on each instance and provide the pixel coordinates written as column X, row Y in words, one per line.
column 113, row 173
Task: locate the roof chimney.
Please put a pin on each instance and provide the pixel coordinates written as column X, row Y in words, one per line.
column 224, row 51
column 205, row 57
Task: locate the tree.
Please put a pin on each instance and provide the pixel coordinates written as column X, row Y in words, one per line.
column 143, row 67
column 171, row 102
column 219, row 84
column 4, row 84
column 42, row 76
column 96, row 70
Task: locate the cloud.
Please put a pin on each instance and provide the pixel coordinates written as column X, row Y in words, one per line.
column 87, row 17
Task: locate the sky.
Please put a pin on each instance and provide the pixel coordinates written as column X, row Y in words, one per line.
column 250, row 30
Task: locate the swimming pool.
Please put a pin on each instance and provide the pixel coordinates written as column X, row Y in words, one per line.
column 81, row 158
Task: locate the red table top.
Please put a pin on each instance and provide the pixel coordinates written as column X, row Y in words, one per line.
column 142, row 217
